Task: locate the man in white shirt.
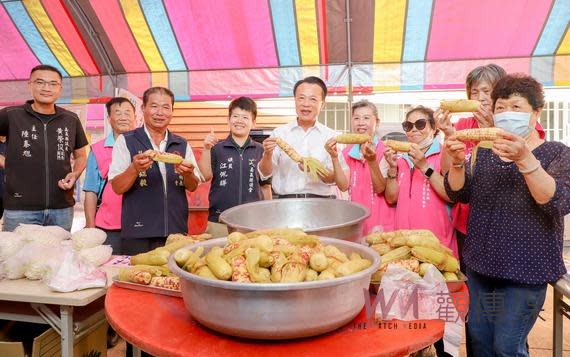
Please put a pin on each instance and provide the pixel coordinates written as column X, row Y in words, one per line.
column 308, row 138
column 154, row 195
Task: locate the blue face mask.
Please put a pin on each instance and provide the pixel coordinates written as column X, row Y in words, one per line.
column 514, row 122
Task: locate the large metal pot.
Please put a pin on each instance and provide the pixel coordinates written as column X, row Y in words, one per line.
column 274, row 311
column 320, row 216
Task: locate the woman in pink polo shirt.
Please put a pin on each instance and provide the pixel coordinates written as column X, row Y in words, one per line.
column 414, row 183
column 364, row 183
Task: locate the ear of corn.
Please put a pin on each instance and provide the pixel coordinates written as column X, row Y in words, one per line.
column 288, row 149
column 134, row 275
column 375, row 238
column 313, row 167
column 205, row 272
column 398, row 241
column 423, row 268
column 460, row 105
column 239, row 270
column 442, row 261
column 381, row 248
column 221, row 269
column 479, row 134
column 257, row 274
column 353, row 138
column 326, row 275
column 333, row 252
column 293, row 272
column 352, row 267
column 311, row 275
column 149, row 258
column 400, row 146
column 318, row 262
column 166, row 282
column 396, row 254
column 448, row 276
column 166, row 157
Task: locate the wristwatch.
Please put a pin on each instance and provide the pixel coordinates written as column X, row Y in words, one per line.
column 429, row 172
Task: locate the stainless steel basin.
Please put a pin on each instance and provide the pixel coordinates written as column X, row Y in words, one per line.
column 321, row 216
column 274, row 311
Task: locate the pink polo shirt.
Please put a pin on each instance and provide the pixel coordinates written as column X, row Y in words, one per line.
column 419, row 206
column 361, row 191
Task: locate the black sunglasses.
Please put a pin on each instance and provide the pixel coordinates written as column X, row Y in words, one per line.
column 420, row 124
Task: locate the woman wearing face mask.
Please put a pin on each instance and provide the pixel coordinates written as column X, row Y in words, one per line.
column 365, row 183
column 414, row 182
column 519, row 192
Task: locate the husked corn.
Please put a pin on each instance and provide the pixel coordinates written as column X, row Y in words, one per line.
column 460, row 105
column 353, row 138
column 478, row 134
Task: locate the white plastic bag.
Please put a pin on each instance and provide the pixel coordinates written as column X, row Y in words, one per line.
column 408, row 296
column 47, row 234
column 73, row 274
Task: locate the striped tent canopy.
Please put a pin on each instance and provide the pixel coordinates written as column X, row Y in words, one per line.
column 216, row 49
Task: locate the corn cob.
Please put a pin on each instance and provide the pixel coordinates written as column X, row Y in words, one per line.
column 423, row 268
column 352, row 267
column 381, row 248
column 134, row 275
column 311, row 275
column 312, row 166
column 479, row 134
column 276, row 269
column 460, row 105
column 333, row 252
column 221, row 269
column 408, row 264
column 239, row 270
column 396, row 254
column 318, row 262
column 166, row 157
column 149, row 258
column 166, row 282
column 375, row 238
column 396, row 145
column 398, row 241
column 353, row 138
column 442, row 261
column 205, row 272
column 236, row 237
column 257, row 274
column 275, row 232
column 327, row 274
column 449, row 276
column 293, row 272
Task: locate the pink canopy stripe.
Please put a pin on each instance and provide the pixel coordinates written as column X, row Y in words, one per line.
column 216, row 34
column 70, row 35
column 111, row 17
column 465, row 29
column 17, row 58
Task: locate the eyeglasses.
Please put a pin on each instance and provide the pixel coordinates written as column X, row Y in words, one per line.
column 420, row 124
column 40, row 83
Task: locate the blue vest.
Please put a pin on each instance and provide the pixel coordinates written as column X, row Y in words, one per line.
column 147, row 212
column 235, row 179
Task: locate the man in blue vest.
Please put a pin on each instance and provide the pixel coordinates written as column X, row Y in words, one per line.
column 154, row 194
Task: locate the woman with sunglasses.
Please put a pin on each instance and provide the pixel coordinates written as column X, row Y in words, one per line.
column 365, row 183
column 519, row 192
column 414, row 183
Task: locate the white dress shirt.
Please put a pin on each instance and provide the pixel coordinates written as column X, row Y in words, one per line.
column 122, row 157
column 287, row 178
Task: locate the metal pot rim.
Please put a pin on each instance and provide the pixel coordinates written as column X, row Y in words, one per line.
column 232, row 285
column 223, row 215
